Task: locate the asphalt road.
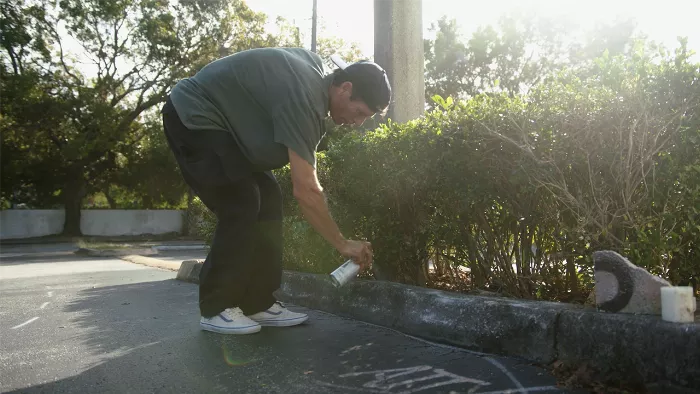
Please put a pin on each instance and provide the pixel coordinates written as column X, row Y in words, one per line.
column 107, row 326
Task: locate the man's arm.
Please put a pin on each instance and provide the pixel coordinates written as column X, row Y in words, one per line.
column 312, row 201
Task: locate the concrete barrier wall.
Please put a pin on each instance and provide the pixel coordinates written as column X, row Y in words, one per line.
column 28, row 223
column 130, row 222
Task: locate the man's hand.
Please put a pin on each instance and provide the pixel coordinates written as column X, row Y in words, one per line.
column 359, row 251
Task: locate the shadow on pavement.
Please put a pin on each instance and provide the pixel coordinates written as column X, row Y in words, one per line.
column 62, row 257
column 145, row 337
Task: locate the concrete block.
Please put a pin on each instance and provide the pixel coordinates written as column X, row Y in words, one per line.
column 621, row 286
column 189, row 271
column 494, row 325
column 117, row 252
column 116, row 222
column 639, row 348
column 29, row 223
column 485, row 324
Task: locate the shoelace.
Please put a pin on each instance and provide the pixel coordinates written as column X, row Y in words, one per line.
column 232, row 313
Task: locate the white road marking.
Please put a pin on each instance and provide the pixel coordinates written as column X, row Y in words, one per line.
column 341, row 387
column 50, row 294
column 389, row 379
column 369, row 390
column 441, row 345
column 10, row 255
column 25, row 323
column 44, row 305
column 521, row 388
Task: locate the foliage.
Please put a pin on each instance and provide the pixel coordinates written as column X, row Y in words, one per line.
column 201, row 222
column 150, row 172
column 536, row 152
column 304, row 249
column 73, row 121
column 515, row 55
column 520, row 190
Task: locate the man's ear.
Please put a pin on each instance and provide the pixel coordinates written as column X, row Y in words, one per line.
column 347, row 87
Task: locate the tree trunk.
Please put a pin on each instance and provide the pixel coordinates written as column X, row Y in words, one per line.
column 147, row 202
column 572, row 276
column 415, row 272
column 73, row 194
column 112, row 202
column 188, row 213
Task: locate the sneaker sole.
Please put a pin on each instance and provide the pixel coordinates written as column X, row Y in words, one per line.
column 283, row 323
column 234, row 331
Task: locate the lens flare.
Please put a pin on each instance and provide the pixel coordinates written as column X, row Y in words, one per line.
column 233, row 361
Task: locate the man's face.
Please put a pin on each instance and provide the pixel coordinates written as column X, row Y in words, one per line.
column 345, row 111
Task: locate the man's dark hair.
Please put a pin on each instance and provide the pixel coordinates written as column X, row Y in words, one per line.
column 369, row 84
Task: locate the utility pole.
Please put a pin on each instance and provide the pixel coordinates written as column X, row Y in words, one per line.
column 313, row 28
column 398, row 48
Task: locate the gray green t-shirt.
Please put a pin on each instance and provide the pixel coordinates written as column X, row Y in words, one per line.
column 269, row 99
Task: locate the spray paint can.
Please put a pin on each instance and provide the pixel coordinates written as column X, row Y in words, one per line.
column 345, row 273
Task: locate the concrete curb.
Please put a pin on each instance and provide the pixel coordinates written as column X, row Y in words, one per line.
column 484, row 324
column 189, row 271
column 165, row 248
column 643, row 348
column 151, row 262
column 632, row 347
column 115, row 252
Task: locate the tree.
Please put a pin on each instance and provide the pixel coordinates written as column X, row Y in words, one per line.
column 67, row 119
column 510, row 57
column 327, row 46
column 514, row 56
column 445, row 65
column 148, row 174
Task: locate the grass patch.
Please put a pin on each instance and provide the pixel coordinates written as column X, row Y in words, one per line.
column 83, row 244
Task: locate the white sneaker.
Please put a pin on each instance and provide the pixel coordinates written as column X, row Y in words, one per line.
column 230, row 321
column 279, row 316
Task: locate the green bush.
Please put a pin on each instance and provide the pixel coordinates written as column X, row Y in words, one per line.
column 201, row 222
column 521, row 190
column 517, row 192
column 305, row 250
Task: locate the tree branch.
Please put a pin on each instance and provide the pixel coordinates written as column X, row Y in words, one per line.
column 13, row 58
column 102, row 65
column 67, row 70
column 116, row 46
column 142, row 106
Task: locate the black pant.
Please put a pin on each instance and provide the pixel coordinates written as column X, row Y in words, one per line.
column 244, row 265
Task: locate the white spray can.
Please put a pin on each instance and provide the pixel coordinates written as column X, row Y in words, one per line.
column 345, row 273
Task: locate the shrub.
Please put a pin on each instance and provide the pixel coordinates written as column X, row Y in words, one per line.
column 201, row 222
column 519, row 191
column 305, row 250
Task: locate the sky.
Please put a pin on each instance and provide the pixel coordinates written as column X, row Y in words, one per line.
column 353, row 20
